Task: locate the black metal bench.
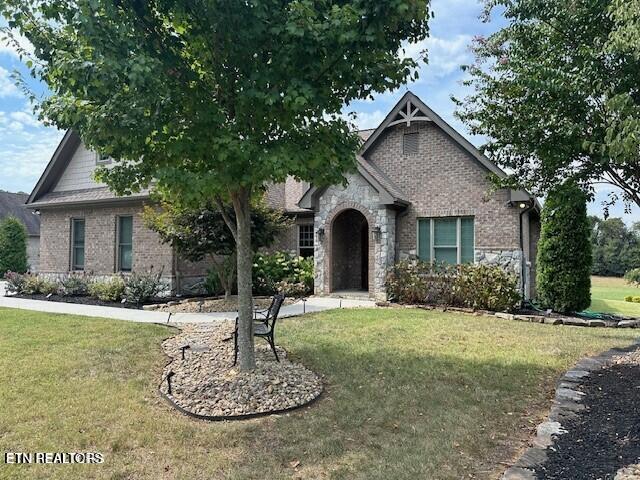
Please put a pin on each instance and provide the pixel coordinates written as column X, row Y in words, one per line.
column 262, row 327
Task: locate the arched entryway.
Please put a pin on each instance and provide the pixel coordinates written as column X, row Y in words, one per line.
column 350, row 252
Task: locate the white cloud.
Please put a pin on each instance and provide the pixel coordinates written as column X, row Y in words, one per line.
column 445, row 56
column 26, row 118
column 366, row 120
column 24, row 154
column 7, row 86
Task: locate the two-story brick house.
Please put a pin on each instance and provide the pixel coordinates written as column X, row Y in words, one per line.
column 420, row 191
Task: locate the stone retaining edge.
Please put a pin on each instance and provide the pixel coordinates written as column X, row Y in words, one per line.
column 566, row 403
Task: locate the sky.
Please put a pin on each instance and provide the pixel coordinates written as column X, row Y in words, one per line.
column 26, row 145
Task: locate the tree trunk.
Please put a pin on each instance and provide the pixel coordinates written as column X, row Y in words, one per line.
column 242, row 208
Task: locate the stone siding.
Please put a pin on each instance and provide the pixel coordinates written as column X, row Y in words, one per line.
column 360, row 196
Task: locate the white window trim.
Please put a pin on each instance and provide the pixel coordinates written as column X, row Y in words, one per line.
column 72, row 255
column 457, row 246
column 118, row 265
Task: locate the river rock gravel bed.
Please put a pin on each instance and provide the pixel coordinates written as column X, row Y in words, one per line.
column 206, row 383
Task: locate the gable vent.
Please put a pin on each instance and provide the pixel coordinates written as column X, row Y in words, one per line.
column 410, row 143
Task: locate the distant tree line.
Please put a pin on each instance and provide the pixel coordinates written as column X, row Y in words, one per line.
column 616, row 247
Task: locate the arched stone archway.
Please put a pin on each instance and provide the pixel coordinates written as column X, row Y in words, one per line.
column 350, row 252
column 350, row 247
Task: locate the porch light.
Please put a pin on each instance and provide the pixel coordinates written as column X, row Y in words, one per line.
column 523, row 205
column 321, row 234
column 377, row 233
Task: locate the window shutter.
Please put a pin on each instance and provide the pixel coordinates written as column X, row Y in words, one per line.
column 424, row 239
column 467, row 240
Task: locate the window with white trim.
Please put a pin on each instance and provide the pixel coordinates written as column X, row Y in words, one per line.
column 446, row 239
column 125, row 244
column 102, row 159
column 305, row 240
column 77, row 244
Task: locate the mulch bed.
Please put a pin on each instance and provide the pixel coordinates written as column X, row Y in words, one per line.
column 605, row 436
column 91, row 301
column 205, row 383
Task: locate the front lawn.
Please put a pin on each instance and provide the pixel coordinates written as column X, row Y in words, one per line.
column 410, row 394
column 607, row 295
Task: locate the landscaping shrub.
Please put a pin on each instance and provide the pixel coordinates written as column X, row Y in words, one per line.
column 636, row 299
column 422, row 282
column 15, row 282
column 628, row 298
column 271, row 270
column 35, row 285
column 564, row 251
column 478, row 286
column 74, row 285
column 633, row 277
column 212, row 284
column 486, row 287
column 142, row 287
column 13, row 246
column 110, row 290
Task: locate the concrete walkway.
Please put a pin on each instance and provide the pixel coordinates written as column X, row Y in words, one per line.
column 313, row 304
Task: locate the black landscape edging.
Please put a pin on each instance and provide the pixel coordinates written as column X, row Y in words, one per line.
column 246, row 416
column 222, row 418
column 566, row 403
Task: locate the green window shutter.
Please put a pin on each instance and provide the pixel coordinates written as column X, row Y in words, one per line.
column 424, row 239
column 466, row 240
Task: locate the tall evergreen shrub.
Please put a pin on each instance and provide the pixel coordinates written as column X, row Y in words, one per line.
column 564, row 251
column 13, row 246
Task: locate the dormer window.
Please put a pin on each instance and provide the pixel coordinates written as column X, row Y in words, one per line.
column 102, row 159
column 410, row 143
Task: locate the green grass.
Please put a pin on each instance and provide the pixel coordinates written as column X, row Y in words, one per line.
column 409, row 394
column 607, row 296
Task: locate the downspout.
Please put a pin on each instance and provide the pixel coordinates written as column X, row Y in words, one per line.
column 523, row 262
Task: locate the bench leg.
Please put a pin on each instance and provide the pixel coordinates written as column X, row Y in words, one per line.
column 273, row 347
column 235, row 346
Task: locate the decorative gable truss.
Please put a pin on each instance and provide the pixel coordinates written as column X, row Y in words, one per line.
column 409, row 113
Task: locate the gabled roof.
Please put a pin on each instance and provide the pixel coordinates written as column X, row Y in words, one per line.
column 13, row 205
column 389, row 193
column 411, row 109
column 59, row 161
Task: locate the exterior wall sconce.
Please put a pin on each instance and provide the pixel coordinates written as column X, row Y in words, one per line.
column 377, row 233
column 321, row 234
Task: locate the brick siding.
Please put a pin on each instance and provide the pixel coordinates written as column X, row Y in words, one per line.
column 444, row 180
column 100, row 241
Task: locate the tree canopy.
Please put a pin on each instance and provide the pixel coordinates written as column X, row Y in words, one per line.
column 616, row 247
column 555, row 92
column 216, row 98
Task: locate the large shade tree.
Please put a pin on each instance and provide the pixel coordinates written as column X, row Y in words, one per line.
column 556, row 93
column 216, row 98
